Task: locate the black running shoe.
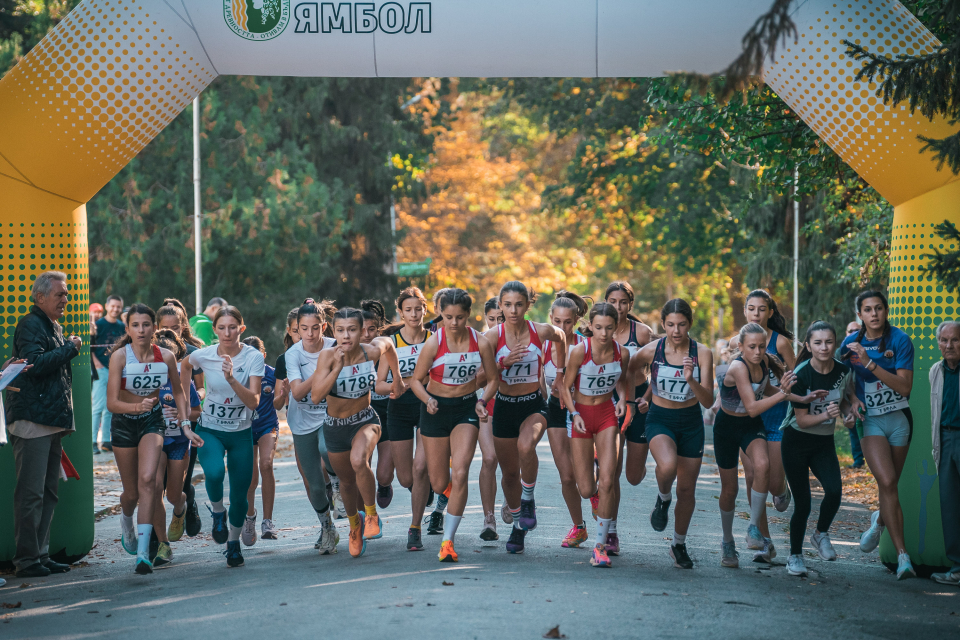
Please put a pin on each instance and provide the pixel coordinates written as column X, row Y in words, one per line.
column 436, row 524
column 660, row 515
column 430, row 498
column 680, row 558
column 384, row 496
column 192, row 522
column 154, row 545
column 220, row 532
column 233, row 553
column 143, row 566
column 414, row 543
column 515, row 543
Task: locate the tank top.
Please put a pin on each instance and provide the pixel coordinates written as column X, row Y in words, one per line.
column 730, row 396
column 355, row 380
column 595, row 379
column 772, row 350
column 528, row 369
column 632, row 345
column 668, row 381
column 408, row 355
column 549, row 366
column 143, row 378
column 454, row 369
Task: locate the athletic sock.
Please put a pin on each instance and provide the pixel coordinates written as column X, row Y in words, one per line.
column 415, row 526
column 334, row 481
column 516, row 517
column 758, row 505
column 143, row 540
column 666, row 497
column 441, row 504
column 527, row 490
column 450, row 524
column 370, row 510
column 726, row 521
column 217, row 506
column 582, row 525
column 354, row 520
column 679, row 539
column 179, row 515
column 613, row 526
column 234, row 534
column 603, row 528
column 126, row 521
column 324, row 515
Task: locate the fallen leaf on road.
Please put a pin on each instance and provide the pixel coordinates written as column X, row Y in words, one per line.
column 518, row 602
column 15, row 605
column 554, row 633
column 25, row 585
column 447, row 584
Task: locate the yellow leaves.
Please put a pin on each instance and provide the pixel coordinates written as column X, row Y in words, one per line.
column 240, row 128
column 276, row 179
column 575, row 91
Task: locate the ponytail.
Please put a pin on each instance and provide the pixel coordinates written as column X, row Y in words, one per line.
column 776, row 322
column 291, row 319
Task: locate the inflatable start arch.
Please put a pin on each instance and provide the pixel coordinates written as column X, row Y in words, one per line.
column 114, row 73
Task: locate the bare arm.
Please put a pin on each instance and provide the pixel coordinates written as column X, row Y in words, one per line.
column 488, row 358
column 422, row 371
column 574, row 360
column 329, row 365
column 553, row 334
column 386, row 353
column 741, row 376
column 703, row 390
column 114, row 403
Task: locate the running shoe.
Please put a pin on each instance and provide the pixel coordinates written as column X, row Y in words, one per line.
column 729, row 556
column 436, row 523
column 905, row 567
column 192, row 521
column 329, row 538
column 782, row 502
column 164, row 555
column 767, row 553
column 329, row 491
column 249, row 532
column 431, row 497
column 613, row 544
column 373, row 529
column 528, row 515
column 220, row 532
column 106, row 446
column 871, row 537
column 384, row 496
column 128, row 537
column 795, row 565
column 414, row 543
column 489, row 531
column 515, row 543
column 661, row 515
column 821, row 542
column 599, row 557
column 680, row 558
column 143, row 566
column 358, row 543
column 447, row 554
column 575, row 537
column 951, row 577
column 595, row 503
column 96, row 449
column 754, row 538
column 154, row 545
column 339, row 511
column 505, row 514
column 233, row 553
column 268, row 530
column 175, row 530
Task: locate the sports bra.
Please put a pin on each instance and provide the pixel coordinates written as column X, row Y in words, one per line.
column 633, row 343
column 453, row 368
column 355, row 380
column 772, row 350
column 407, row 354
column 528, row 369
column 595, row 379
column 143, row 378
column 549, row 366
column 730, row 396
column 668, row 380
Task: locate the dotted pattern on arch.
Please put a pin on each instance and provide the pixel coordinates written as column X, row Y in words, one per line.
column 31, row 248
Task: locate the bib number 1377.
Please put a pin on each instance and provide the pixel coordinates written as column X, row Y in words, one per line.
column 224, row 412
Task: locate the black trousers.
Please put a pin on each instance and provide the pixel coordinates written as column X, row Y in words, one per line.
column 802, row 454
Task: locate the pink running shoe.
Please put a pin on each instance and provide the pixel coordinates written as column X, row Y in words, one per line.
column 599, row 557
column 613, row 544
column 574, row 538
column 595, row 503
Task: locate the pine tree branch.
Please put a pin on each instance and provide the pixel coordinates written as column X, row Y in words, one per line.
column 945, row 266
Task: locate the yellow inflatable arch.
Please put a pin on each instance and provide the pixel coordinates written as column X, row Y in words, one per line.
column 114, row 73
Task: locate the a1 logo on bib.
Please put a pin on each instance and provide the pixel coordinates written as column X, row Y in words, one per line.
column 257, row 19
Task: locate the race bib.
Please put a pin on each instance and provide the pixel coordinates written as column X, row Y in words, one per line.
column 307, row 405
column 408, row 357
column 524, row 372
column 818, row 407
column 459, row 368
column 881, row 399
column 171, row 425
column 376, row 396
column 598, row 379
column 355, row 380
column 143, row 378
column 225, row 413
column 671, row 385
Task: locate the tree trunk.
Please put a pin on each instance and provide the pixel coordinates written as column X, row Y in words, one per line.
column 736, row 295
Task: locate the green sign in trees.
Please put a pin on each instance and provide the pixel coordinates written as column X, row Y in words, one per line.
column 410, row 269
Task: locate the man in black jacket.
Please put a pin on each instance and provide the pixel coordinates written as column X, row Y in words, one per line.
column 37, row 417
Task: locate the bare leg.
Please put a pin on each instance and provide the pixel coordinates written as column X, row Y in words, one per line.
column 488, row 468
column 384, row 463
column 268, row 488
column 560, row 444
column 886, row 464
column 688, row 470
column 254, row 481
column 421, row 483
column 636, row 462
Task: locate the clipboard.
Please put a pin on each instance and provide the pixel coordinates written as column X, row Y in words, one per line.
column 8, row 374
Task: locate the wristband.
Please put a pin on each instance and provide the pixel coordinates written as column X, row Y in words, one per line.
column 574, row 413
column 561, row 369
column 185, row 423
column 874, row 366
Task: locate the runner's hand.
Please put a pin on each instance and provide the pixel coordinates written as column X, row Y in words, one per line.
column 147, row 405
column 688, row 369
column 399, row 388
column 169, row 413
column 515, row 356
column 338, row 356
column 227, row 368
column 482, row 410
column 787, row 380
column 432, row 406
column 642, row 405
column 861, row 353
column 578, row 425
column 620, row 409
column 833, row 410
column 192, row 436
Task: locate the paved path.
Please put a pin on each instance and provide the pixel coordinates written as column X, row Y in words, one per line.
column 286, row 588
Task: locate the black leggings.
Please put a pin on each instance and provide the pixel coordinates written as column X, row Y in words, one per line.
column 804, row 453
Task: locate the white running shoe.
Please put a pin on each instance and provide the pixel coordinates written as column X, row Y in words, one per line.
column 782, row 502
column 128, row 537
column 795, row 566
column 821, row 542
column 905, row 567
column 730, row 558
column 268, row 530
column 754, row 538
column 871, row 537
column 767, row 553
column 329, row 537
column 249, row 532
column 950, row 577
column 505, row 514
column 339, row 510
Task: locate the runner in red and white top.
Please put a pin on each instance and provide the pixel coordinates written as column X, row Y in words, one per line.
column 450, row 363
column 520, row 417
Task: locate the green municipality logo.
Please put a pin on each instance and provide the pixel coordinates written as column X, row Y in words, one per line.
column 257, row 19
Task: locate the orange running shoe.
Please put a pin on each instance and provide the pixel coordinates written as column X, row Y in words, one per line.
column 446, row 492
column 358, row 544
column 372, row 530
column 447, row 554
column 575, row 537
column 600, row 557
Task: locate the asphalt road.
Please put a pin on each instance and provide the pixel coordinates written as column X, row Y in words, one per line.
column 287, row 590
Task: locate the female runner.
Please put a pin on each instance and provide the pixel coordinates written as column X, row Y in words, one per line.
column 403, row 412
column 345, row 377
column 307, row 417
column 597, row 366
column 175, row 455
column 881, row 355
column 808, row 445
column 632, row 334
column 565, row 314
column 493, row 317
column 232, row 371
column 449, row 425
column 520, row 418
column 265, row 428
column 681, row 372
column 138, row 369
column 745, row 393
column 374, row 318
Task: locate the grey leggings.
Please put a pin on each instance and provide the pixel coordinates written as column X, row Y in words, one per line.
column 311, row 448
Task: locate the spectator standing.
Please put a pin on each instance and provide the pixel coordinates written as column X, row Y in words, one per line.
column 202, row 325
column 37, row 417
column 108, row 330
column 855, row 450
column 945, row 423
